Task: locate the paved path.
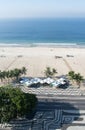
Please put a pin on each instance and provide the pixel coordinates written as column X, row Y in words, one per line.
column 52, row 120
column 55, row 111
column 72, row 91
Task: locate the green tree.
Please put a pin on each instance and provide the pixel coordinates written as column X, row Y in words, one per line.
column 54, row 72
column 7, row 74
column 75, row 77
column 71, row 74
column 23, row 70
column 15, row 104
column 12, row 74
column 78, row 78
column 50, row 72
column 17, row 73
column 1, row 76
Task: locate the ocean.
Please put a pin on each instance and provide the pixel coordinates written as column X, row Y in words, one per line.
column 34, row 32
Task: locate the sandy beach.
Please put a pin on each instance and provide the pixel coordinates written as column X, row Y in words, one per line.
column 36, row 59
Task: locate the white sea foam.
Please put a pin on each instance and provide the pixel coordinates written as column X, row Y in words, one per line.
column 54, row 44
column 42, row 44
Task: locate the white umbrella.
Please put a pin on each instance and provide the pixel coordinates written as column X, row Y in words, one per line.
column 48, row 80
column 55, row 84
column 28, row 83
column 41, row 81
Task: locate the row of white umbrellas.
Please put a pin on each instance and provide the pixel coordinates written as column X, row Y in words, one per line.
column 38, row 80
column 46, row 80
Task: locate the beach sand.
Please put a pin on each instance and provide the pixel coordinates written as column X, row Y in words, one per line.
column 36, row 59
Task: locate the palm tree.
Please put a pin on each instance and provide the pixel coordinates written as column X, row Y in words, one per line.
column 7, row 75
column 17, row 73
column 54, row 71
column 50, row 72
column 78, row 78
column 75, row 77
column 11, row 74
column 23, row 70
column 71, row 75
column 2, row 75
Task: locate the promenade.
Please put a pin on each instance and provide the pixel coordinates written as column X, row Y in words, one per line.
column 50, row 117
column 57, row 109
column 73, row 91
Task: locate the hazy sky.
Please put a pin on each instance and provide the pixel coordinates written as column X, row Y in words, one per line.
column 41, row 8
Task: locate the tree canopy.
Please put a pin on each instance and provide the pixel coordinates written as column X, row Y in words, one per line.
column 50, row 72
column 12, row 74
column 15, row 104
column 76, row 77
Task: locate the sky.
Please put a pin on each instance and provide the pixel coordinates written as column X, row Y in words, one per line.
column 42, row 8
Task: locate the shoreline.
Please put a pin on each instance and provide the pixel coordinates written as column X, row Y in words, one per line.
column 47, row 45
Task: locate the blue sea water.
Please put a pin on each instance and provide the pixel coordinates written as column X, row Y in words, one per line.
column 42, row 31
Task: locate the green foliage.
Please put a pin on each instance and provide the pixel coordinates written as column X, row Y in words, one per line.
column 50, row 72
column 75, row 77
column 71, row 74
column 16, row 73
column 23, row 70
column 14, row 103
column 78, row 78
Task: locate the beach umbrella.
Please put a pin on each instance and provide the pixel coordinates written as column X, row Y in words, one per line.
column 61, row 80
column 48, row 80
column 55, row 84
column 44, row 81
column 23, row 80
column 35, row 80
column 41, row 81
column 28, row 83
